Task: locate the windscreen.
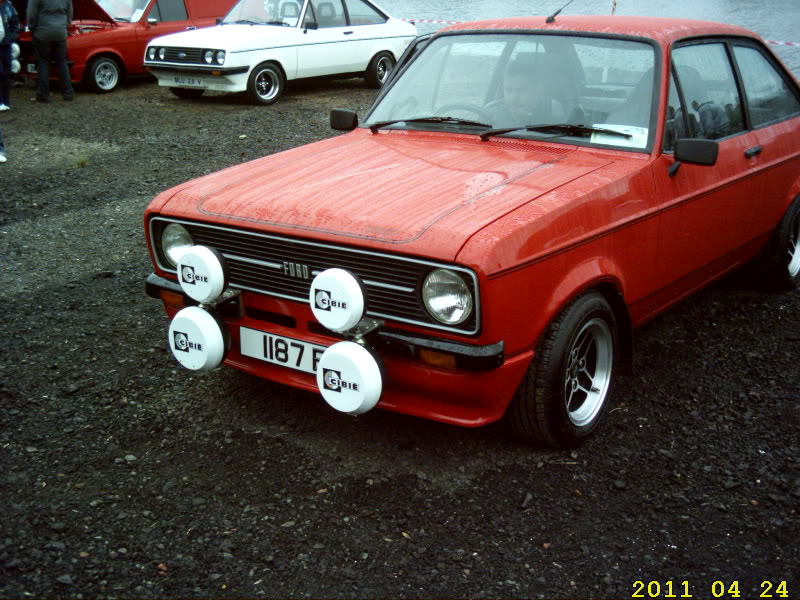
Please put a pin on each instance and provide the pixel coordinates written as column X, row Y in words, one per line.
column 519, row 80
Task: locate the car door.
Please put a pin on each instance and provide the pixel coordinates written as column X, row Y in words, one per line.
column 705, row 212
column 370, row 32
column 326, row 49
column 773, row 109
column 162, row 17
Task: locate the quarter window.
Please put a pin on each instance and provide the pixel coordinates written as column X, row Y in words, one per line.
column 769, row 98
column 361, row 13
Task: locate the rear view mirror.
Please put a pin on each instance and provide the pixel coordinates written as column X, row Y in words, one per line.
column 343, row 119
column 696, row 151
column 311, row 25
column 152, row 21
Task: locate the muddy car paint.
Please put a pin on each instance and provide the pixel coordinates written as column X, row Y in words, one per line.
column 540, row 223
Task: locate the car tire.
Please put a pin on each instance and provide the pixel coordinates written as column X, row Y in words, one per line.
column 103, row 75
column 266, row 83
column 379, row 69
column 186, row 93
column 565, row 392
column 778, row 266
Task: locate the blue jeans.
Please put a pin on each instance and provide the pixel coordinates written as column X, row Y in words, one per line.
column 5, row 74
column 57, row 52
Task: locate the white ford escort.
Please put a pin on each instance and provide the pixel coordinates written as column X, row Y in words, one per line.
column 262, row 44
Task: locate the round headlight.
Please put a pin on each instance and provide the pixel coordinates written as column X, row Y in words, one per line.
column 220, row 57
column 162, row 52
column 175, row 240
column 208, row 56
column 447, row 297
column 151, row 53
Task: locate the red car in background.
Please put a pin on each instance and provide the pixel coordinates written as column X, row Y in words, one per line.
column 523, row 193
column 107, row 39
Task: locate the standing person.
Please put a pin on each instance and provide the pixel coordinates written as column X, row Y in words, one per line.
column 2, row 147
column 10, row 19
column 48, row 20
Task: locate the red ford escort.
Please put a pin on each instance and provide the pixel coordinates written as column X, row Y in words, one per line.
column 522, row 194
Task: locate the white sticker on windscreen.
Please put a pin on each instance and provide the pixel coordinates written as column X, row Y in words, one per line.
column 637, row 135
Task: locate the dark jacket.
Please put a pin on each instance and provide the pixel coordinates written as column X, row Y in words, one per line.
column 48, row 19
column 10, row 22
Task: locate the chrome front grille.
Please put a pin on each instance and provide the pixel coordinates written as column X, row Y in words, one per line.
column 277, row 266
column 184, row 55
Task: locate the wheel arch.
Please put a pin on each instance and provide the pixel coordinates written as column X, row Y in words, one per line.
column 105, row 53
column 606, row 281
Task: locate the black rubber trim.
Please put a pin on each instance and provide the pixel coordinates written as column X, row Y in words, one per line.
column 470, row 357
column 176, row 68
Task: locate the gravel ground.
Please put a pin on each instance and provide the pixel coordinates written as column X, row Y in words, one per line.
column 126, row 476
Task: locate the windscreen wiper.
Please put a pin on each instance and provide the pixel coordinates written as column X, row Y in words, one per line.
column 248, row 22
column 277, row 23
column 381, row 124
column 556, row 128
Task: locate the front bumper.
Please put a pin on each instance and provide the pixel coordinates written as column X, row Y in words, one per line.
column 473, row 393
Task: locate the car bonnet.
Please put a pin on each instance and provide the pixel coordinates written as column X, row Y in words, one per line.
column 424, row 193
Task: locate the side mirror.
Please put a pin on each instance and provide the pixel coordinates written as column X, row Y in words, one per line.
column 343, row 119
column 310, row 25
column 152, row 21
column 219, row 20
column 696, row 151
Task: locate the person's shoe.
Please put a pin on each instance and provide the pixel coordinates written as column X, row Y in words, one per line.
column 4, row 107
column 40, row 100
column 2, row 158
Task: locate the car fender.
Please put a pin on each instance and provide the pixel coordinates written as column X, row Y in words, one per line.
column 285, row 58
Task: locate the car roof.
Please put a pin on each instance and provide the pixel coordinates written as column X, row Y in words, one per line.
column 663, row 30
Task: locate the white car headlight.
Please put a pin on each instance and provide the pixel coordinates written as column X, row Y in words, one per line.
column 208, row 56
column 162, row 52
column 175, row 240
column 220, row 57
column 151, row 53
column 447, row 297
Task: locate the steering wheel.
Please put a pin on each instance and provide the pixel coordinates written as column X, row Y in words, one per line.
column 475, row 109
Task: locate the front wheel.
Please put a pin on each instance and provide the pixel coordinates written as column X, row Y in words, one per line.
column 379, row 68
column 265, row 84
column 778, row 266
column 565, row 392
column 103, row 75
column 187, row 93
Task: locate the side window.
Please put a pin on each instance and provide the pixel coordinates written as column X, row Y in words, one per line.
column 769, row 98
column 328, row 13
column 709, row 89
column 170, row 10
column 361, row 13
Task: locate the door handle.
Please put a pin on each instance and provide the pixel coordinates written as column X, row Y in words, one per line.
column 191, row 27
column 348, row 33
column 751, row 152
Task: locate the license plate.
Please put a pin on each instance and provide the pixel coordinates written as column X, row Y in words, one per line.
column 188, row 81
column 31, row 67
column 280, row 350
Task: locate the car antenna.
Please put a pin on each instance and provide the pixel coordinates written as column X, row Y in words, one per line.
column 552, row 18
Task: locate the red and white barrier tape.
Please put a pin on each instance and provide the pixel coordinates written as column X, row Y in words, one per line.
column 446, row 22
column 795, row 44
column 432, row 21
